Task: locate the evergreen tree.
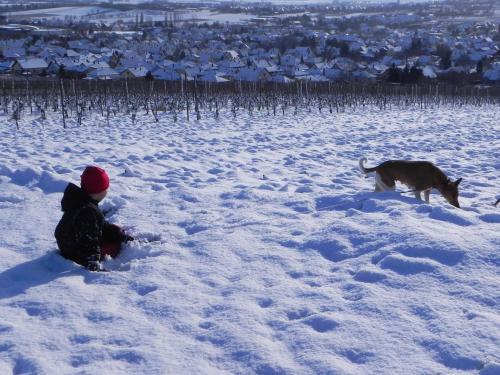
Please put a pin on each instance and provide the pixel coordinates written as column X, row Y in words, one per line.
column 394, row 75
column 446, row 60
column 62, row 72
column 344, row 49
column 479, row 67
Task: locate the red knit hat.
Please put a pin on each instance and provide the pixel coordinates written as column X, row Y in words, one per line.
column 94, row 180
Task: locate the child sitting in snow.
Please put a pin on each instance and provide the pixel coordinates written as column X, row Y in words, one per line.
column 83, row 235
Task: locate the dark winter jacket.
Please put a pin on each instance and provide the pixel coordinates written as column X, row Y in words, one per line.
column 79, row 233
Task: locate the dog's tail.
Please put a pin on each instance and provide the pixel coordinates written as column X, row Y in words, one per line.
column 363, row 169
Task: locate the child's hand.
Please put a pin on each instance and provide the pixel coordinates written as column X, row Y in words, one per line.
column 127, row 238
column 94, row 266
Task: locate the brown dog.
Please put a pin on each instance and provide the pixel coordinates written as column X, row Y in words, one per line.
column 417, row 175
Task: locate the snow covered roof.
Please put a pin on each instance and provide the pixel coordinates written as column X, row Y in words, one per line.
column 139, row 72
column 71, row 53
column 429, row 72
column 34, row 63
column 251, row 75
column 493, row 74
column 103, row 73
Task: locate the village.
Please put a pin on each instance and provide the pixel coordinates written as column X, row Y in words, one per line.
column 404, row 45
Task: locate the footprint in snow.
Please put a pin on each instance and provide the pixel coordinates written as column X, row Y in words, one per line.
column 302, row 207
column 40, row 310
column 81, row 339
column 129, row 356
column 366, row 276
column 321, row 324
column 357, row 356
column 192, row 227
column 352, row 292
column 215, row 171
column 299, row 314
column 10, row 199
column 405, row 265
column 5, row 328
column 25, row 366
column 423, row 312
column 449, row 356
column 96, row 316
column 443, row 256
column 265, row 302
column 206, row 325
column 144, row 290
column 304, row 189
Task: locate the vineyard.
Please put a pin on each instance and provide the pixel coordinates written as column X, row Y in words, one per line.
column 73, row 100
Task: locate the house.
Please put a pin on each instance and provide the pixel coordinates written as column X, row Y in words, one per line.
column 377, row 68
column 281, row 79
column 230, row 55
column 345, row 64
column 252, row 75
column 493, row 74
column 14, row 52
column 298, row 72
column 30, row 66
column 302, row 52
column 213, row 77
column 313, row 78
column 334, row 73
column 363, row 75
column 167, row 74
column 6, row 66
column 76, row 71
column 318, row 69
column 231, row 67
column 290, row 60
column 131, row 73
column 103, row 73
column 72, row 54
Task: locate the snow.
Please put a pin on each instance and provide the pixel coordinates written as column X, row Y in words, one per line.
column 78, row 11
column 493, row 74
column 428, row 72
column 260, row 248
column 33, row 63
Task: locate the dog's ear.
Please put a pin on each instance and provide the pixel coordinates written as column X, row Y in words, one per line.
column 457, row 182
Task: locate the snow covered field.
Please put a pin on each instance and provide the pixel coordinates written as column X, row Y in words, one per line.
column 260, row 247
column 59, row 12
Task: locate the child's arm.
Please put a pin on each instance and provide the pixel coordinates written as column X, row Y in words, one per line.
column 113, row 233
column 88, row 236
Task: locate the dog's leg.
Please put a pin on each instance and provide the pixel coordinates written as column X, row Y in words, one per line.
column 427, row 194
column 417, row 195
column 382, row 186
column 378, row 186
